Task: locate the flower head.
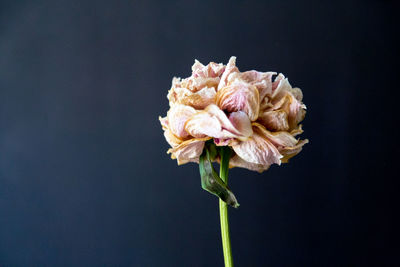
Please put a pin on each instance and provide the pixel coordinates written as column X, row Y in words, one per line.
column 254, row 114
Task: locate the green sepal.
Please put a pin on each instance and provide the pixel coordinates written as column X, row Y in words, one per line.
column 210, row 180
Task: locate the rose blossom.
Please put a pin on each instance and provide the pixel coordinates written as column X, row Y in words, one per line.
column 257, row 117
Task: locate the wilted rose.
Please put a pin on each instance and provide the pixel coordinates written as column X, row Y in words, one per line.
column 249, row 111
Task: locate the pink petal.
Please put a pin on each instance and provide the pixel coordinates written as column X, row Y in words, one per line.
column 290, row 152
column 212, row 70
column 188, row 151
column 203, row 124
column 214, row 123
column 172, row 140
column 197, row 100
column 258, row 150
column 237, row 161
column 279, row 139
column 177, row 117
column 261, row 80
column 239, row 96
column 229, row 69
column 241, row 123
column 274, row 120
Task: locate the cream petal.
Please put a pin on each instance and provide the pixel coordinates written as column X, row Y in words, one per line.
column 197, row 66
column 295, row 110
column 169, row 136
column 229, row 69
column 274, row 120
column 226, row 142
column 237, row 161
column 277, row 83
column 199, row 83
column 258, row 150
column 298, row 130
column 290, row 152
column 297, row 93
column 282, row 88
column 217, row 69
column 241, row 122
column 203, row 124
column 188, row 151
column 285, row 142
column 164, row 122
column 172, row 95
column 239, row 96
column 198, row 100
column 280, row 139
column 213, row 122
column 261, row 80
column 265, row 104
column 172, row 140
column 177, row 117
column 210, row 71
column 293, row 107
column 242, row 132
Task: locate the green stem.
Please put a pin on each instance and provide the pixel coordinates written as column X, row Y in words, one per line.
column 223, row 209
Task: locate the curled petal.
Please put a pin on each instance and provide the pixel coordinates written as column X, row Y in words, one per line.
column 293, row 108
column 212, row 70
column 195, row 84
column 237, row 161
column 215, row 69
column 238, row 124
column 285, row 142
column 290, row 152
column 239, row 96
column 172, row 140
column 277, row 84
column 261, row 80
column 229, row 69
column 177, row 117
column 274, row 120
column 203, row 124
column 297, row 131
column 188, row 151
column 164, row 122
column 280, row 139
column 258, row 150
column 226, row 142
column 198, row 100
column 214, row 123
column 297, row 93
column 201, row 98
column 241, row 123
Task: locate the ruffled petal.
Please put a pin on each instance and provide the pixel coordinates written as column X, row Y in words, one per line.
column 212, row 70
column 164, row 122
column 197, row 100
column 214, row 123
column 241, row 123
column 261, row 80
column 274, row 120
column 188, row 151
column 239, row 96
column 289, row 152
column 258, row 150
column 203, row 124
column 177, row 117
column 280, row 139
column 229, row 69
column 292, row 106
column 237, row 161
column 172, row 139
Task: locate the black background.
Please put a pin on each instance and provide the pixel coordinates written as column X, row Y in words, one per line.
column 84, row 177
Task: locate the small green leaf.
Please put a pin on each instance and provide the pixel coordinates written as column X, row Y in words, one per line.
column 210, row 180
